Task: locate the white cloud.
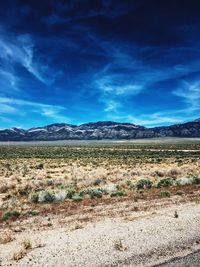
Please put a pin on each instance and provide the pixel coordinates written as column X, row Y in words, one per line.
column 7, row 109
column 11, row 105
column 150, row 120
column 20, row 50
column 190, row 93
column 111, row 105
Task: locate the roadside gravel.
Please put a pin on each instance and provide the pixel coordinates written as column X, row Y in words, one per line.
column 148, row 238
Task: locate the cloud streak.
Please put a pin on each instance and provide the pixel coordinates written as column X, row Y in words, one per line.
column 20, row 51
column 13, row 105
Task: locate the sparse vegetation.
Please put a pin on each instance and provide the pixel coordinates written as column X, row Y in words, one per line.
column 117, row 194
column 164, row 194
column 74, row 185
column 165, row 182
column 179, row 193
column 33, row 175
column 6, row 236
column 25, row 246
column 118, row 245
column 144, row 184
column 19, row 254
column 196, row 179
column 10, row 214
column 175, row 214
column 77, row 197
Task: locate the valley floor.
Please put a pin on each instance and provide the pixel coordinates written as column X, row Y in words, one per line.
column 100, row 205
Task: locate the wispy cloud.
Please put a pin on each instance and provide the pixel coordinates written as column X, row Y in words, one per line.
column 126, row 75
column 152, row 120
column 111, row 106
column 21, row 50
column 13, row 105
column 190, row 93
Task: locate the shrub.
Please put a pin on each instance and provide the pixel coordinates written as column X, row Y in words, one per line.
column 117, row 194
column 32, row 212
column 44, row 196
column 77, row 197
column 35, row 197
column 97, row 182
column 60, row 196
column 18, row 255
column 95, row 192
column 70, row 192
column 83, row 192
column 165, row 182
column 184, row 181
column 179, row 193
column 10, row 214
column 118, row 245
column 196, row 180
column 164, row 194
column 130, row 184
column 144, row 184
column 40, row 166
column 6, row 237
column 175, row 214
column 110, row 188
column 49, row 196
column 174, row 172
column 27, row 244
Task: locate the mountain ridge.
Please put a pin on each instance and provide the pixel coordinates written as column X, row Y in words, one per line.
column 99, row 130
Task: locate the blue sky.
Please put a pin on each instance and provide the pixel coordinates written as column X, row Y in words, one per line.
column 87, row 60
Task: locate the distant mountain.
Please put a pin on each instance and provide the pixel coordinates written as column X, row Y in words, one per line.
column 99, row 130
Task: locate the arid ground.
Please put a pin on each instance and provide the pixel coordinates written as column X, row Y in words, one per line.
column 99, row 203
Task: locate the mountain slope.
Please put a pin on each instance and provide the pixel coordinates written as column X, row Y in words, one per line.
column 99, row 130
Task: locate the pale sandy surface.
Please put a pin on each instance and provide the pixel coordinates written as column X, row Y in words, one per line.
column 161, row 140
column 147, row 238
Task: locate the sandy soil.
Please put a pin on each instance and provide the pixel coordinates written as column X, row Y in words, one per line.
column 140, row 238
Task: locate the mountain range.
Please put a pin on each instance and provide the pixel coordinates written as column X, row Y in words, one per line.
column 98, row 131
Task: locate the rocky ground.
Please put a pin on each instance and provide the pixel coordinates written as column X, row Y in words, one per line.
column 121, row 235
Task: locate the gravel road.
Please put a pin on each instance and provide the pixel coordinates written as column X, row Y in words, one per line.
column 145, row 239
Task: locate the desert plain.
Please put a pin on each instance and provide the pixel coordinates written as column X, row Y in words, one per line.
column 127, row 203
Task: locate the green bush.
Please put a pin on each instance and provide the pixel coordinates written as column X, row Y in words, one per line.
column 179, row 193
column 165, row 182
column 10, row 214
column 35, row 197
column 144, row 184
column 70, row 192
column 77, row 197
column 164, row 194
column 95, row 192
column 196, row 180
column 48, row 196
column 83, row 192
column 32, row 212
column 117, row 194
column 130, row 184
column 92, row 192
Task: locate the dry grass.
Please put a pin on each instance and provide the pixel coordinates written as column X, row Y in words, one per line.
column 19, row 254
column 27, row 244
column 20, row 177
column 24, row 247
column 6, row 236
column 119, row 245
